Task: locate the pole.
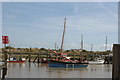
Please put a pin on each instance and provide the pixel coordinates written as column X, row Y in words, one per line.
column 9, row 53
column 4, row 71
column 91, row 47
column 82, row 42
column 116, row 62
column 30, row 55
column 106, row 44
column 55, row 46
column 63, row 38
column 38, row 58
column 63, row 35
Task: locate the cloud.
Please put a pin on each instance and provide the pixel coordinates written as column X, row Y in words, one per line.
column 109, row 10
column 11, row 16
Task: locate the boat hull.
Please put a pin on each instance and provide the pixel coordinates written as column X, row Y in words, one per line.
column 15, row 61
column 96, row 62
column 65, row 64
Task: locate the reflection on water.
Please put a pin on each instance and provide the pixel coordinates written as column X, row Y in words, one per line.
column 35, row 70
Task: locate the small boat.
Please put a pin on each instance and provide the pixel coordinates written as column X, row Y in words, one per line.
column 44, row 60
column 97, row 61
column 14, row 60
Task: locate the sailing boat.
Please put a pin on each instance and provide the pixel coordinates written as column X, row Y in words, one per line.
column 98, row 60
column 65, row 61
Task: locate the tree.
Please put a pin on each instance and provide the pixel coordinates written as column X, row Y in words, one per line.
column 43, row 49
column 84, row 50
column 9, row 47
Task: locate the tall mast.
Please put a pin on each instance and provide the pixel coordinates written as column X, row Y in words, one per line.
column 63, row 35
column 55, row 46
column 91, row 47
column 106, row 43
column 82, row 42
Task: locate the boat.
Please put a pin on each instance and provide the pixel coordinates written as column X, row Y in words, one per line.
column 67, row 63
column 44, row 60
column 97, row 61
column 14, row 60
column 63, row 60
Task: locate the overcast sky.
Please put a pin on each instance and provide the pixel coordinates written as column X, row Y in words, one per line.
column 39, row 24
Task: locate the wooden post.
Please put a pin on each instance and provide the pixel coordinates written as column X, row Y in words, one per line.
column 73, row 55
column 35, row 58
column 30, row 55
column 38, row 58
column 48, row 55
column 4, row 69
column 116, row 62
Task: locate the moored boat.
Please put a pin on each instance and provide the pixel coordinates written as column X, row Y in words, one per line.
column 63, row 60
column 55, row 63
column 97, row 61
column 14, row 60
column 66, row 62
column 44, row 60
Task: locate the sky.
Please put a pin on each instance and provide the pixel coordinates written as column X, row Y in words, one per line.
column 0, row 24
column 40, row 24
column 59, row 0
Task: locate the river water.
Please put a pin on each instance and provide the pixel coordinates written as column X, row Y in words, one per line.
column 35, row 70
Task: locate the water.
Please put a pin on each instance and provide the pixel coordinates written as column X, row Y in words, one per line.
column 34, row 70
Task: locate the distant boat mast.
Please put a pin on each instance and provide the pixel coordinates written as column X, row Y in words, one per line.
column 63, row 36
column 82, row 42
column 106, row 43
column 91, row 47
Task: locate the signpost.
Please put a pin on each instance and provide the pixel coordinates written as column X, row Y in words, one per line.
column 5, row 40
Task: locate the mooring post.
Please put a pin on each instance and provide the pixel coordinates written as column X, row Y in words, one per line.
column 4, row 69
column 47, row 55
column 38, row 58
column 73, row 56
column 116, row 62
column 30, row 55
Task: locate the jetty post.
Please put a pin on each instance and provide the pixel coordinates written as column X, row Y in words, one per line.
column 38, row 60
column 116, row 62
column 30, row 55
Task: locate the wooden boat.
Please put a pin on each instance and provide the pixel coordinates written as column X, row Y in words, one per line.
column 55, row 63
column 14, row 60
column 65, row 61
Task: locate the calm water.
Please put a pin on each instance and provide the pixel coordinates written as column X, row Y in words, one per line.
column 34, row 70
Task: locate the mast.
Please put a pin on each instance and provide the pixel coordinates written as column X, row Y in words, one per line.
column 55, row 46
column 91, row 47
column 106, row 43
column 63, row 36
column 82, row 42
